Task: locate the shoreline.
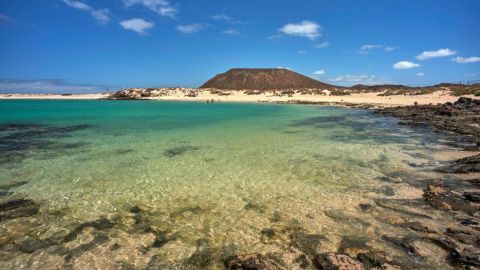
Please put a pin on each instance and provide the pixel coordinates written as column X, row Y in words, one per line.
column 358, row 99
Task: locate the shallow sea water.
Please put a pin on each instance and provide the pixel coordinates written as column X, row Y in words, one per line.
column 212, row 179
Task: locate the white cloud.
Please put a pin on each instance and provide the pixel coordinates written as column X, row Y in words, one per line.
column 222, row 17
column 161, row 7
column 45, row 86
column 358, row 79
column 420, row 74
column 405, row 65
column 390, row 49
column 464, row 60
column 435, row 54
column 280, row 67
column 191, row 28
column 306, row 29
column 138, row 25
column 101, row 15
column 319, row 72
column 322, row 45
column 231, row 32
column 370, row 47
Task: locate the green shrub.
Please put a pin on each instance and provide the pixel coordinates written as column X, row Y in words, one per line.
column 477, row 94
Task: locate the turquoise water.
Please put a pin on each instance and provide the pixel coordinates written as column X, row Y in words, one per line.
column 211, row 173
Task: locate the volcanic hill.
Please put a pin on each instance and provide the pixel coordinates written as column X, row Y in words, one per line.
column 263, row 79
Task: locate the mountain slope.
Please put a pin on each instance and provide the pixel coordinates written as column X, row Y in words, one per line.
column 263, row 79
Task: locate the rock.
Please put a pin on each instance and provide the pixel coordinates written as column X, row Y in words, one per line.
column 302, row 261
column 388, row 191
column 442, row 197
column 268, row 232
column 468, row 256
column 460, row 118
column 250, row 262
column 393, row 205
column 464, row 165
column 100, row 224
column 334, row 261
column 405, row 243
column 30, row 246
column 469, row 237
column 135, row 210
column 472, row 196
column 16, row 208
column 372, row 259
column 352, row 245
column 418, row 226
column 365, row 206
column 307, row 243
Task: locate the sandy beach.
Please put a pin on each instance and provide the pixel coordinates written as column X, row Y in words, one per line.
column 363, row 98
column 241, row 96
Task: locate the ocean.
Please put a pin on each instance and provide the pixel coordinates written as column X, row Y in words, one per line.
column 186, row 184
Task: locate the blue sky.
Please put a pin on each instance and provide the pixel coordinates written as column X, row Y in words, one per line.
column 87, row 45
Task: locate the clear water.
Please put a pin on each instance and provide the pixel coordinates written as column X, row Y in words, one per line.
column 218, row 172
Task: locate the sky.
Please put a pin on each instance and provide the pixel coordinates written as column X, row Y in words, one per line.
column 92, row 45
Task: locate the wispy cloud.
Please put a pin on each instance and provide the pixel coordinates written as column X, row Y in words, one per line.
column 45, row 86
column 405, row 65
column 308, row 29
column 222, row 17
column 420, row 74
column 191, row 28
column 280, row 67
column 358, row 79
column 365, row 49
column 370, row 47
column 231, row 31
column 138, row 25
column 322, row 45
column 161, row 7
column 464, row 60
column 435, row 54
column 5, row 18
column 319, row 72
column 302, row 51
column 101, row 15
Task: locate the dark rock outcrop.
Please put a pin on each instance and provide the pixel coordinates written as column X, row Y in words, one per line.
column 461, row 118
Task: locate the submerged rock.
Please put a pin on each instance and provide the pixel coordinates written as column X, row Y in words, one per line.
column 464, row 165
column 307, row 243
column 441, row 196
column 18, row 208
column 13, row 185
column 335, row 261
column 460, row 117
column 251, row 262
column 176, row 151
column 100, row 224
column 353, row 245
column 31, row 245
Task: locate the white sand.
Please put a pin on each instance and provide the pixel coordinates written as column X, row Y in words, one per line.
column 240, row 96
column 364, row 98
